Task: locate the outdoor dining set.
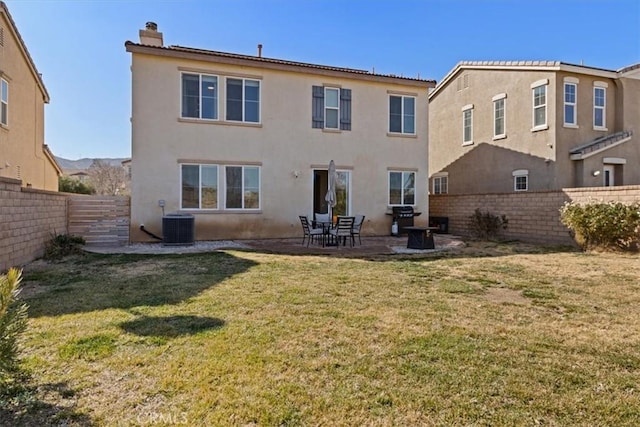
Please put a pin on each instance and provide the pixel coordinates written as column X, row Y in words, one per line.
column 328, row 231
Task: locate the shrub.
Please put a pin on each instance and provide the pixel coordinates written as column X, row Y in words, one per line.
column 612, row 225
column 70, row 185
column 486, row 225
column 13, row 321
column 62, row 245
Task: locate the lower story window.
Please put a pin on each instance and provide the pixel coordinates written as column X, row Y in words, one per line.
column 402, row 188
column 199, row 187
column 521, row 180
column 440, row 185
column 242, row 187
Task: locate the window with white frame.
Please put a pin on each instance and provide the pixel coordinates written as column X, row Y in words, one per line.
column 4, row 102
column 199, row 186
column 440, row 184
column 499, row 130
column 599, row 105
column 243, row 100
column 467, row 125
column 521, row 180
column 402, row 188
column 570, row 102
column 242, row 187
column 331, row 108
column 402, row 114
column 199, row 96
column 540, row 105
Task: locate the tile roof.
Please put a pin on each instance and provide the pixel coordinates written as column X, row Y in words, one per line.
column 274, row 61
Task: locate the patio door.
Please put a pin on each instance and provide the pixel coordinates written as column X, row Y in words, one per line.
column 321, row 186
column 609, row 176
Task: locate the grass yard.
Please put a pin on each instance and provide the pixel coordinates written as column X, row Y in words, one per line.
column 495, row 334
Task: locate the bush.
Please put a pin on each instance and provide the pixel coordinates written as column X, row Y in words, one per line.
column 62, row 245
column 13, row 321
column 612, row 225
column 486, row 225
column 71, row 185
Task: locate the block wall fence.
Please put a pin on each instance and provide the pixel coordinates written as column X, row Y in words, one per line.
column 28, row 218
column 533, row 216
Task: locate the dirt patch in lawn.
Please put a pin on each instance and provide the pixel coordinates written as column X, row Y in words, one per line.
column 505, row 296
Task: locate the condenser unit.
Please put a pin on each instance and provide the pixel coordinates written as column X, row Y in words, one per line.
column 178, row 229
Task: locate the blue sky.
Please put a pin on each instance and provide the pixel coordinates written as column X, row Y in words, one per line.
column 78, row 45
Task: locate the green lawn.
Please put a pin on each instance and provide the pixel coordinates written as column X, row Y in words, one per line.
column 496, row 334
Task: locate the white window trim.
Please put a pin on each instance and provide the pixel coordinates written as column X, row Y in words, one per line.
column 182, row 73
column 224, row 194
column 402, row 114
column 200, row 209
column 600, row 86
column 465, row 109
column 439, row 176
column 244, row 114
column 574, row 124
column 326, row 88
column 415, row 187
column 4, row 103
column 519, row 174
column 540, row 83
column 501, row 97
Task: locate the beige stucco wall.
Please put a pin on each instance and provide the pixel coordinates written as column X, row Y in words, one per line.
column 488, row 164
column 21, row 141
column 285, row 142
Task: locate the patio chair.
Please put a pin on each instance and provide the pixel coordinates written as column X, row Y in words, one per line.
column 309, row 232
column 357, row 226
column 322, row 219
column 342, row 230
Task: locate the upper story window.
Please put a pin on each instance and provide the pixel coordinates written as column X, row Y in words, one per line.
column 331, row 108
column 570, row 101
column 402, row 188
column 499, row 120
column 402, row 114
column 441, row 184
column 242, row 187
column 243, row 100
column 4, row 102
column 467, row 124
column 199, row 96
column 599, row 105
column 540, row 105
column 199, row 187
column 521, row 180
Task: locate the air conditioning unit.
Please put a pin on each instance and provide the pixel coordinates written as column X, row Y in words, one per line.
column 178, row 229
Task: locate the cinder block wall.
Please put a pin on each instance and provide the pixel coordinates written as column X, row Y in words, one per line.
column 28, row 218
column 533, row 216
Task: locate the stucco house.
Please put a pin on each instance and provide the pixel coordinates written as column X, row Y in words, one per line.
column 501, row 126
column 23, row 154
column 243, row 142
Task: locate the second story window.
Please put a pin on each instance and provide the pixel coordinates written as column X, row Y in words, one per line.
column 570, row 92
column 467, row 125
column 199, row 96
column 540, row 104
column 4, row 102
column 599, row 105
column 331, row 108
column 499, row 116
column 243, row 100
column 402, row 114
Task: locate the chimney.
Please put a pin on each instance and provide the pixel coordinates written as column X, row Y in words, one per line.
column 260, row 50
column 150, row 35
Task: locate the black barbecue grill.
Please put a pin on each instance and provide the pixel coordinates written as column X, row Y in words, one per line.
column 404, row 215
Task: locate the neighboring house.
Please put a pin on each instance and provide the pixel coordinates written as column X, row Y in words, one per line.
column 244, row 142
column 23, row 154
column 533, row 125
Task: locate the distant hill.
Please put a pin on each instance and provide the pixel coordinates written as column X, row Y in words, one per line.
column 83, row 164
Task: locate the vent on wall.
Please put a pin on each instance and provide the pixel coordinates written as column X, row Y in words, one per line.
column 178, row 229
